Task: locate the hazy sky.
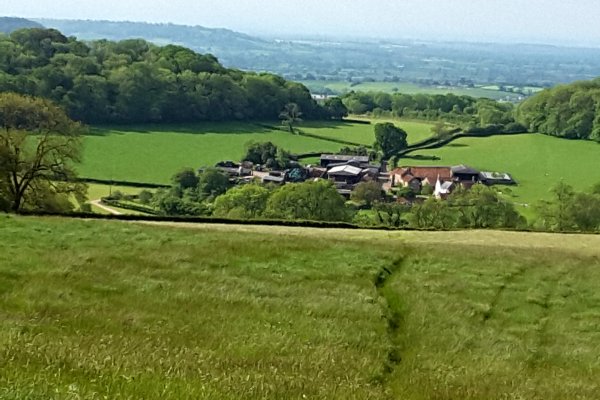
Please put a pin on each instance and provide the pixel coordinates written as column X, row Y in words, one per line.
column 558, row 21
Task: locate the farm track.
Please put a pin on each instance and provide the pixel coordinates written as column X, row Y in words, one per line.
column 98, row 203
column 392, row 313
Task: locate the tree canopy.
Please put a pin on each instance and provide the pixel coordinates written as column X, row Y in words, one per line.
column 133, row 81
column 389, row 139
column 570, row 111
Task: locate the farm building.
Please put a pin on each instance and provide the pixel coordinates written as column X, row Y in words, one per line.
column 416, row 177
column 496, row 178
column 330, row 159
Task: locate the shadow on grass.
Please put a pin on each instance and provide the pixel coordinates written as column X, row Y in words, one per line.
column 225, row 128
column 422, row 157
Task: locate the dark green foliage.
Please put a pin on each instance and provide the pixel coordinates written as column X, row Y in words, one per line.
column 389, row 139
column 145, row 197
column 318, row 201
column 134, row 81
column 570, row 111
column 367, row 193
column 267, row 154
column 212, row 183
column 468, row 112
column 335, row 108
column 186, row 179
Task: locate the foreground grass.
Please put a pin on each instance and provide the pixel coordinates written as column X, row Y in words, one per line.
column 537, row 162
column 94, row 309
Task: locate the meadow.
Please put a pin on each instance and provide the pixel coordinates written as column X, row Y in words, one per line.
column 153, row 153
column 491, row 92
column 121, row 310
column 537, row 162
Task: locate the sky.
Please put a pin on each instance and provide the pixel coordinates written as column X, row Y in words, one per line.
column 539, row 21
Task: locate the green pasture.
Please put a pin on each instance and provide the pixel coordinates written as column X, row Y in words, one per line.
column 153, row 153
column 364, row 133
column 121, row 310
column 341, row 87
column 537, row 162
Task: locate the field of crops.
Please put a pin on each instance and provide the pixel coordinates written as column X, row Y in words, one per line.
column 153, row 153
column 120, row 310
column 537, row 162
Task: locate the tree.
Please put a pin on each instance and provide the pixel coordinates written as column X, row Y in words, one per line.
column 38, row 145
column 318, row 201
column 367, row 193
column 335, row 108
column 242, row 202
column 389, row 139
column 212, row 183
column 290, row 115
column 260, row 153
column 186, row 179
column 482, row 207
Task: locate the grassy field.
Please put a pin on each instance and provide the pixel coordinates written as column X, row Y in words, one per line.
column 537, row 162
column 153, row 153
column 363, row 133
column 120, row 310
column 491, row 92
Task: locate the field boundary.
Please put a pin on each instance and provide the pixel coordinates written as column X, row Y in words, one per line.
column 271, row 222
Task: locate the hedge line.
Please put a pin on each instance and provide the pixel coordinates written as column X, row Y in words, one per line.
column 124, row 183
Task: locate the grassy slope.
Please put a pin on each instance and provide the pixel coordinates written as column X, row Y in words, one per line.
column 537, row 162
column 272, row 312
column 152, row 153
column 363, row 133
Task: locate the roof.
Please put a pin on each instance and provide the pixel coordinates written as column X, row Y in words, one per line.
column 344, row 158
column 496, row 176
column 463, row 169
column 430, row 173
column 345, row 170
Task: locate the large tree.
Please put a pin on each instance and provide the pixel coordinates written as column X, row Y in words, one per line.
column 38, row 146
column 317, row 201
column 389, row 139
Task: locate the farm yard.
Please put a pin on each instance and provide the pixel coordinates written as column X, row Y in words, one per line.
column 211, row 311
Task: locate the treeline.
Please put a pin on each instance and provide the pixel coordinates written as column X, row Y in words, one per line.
column 133, row 81
column 467, row 112
column 570, row 111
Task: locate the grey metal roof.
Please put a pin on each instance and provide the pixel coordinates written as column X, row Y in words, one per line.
column 339, row 157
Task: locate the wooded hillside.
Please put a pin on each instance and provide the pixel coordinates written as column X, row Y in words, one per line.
column 570, row 111
column 133, row 81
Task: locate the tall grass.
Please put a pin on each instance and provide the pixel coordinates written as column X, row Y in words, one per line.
column 94, row 310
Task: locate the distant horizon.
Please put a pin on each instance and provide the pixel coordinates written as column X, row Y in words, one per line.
column 291, row 36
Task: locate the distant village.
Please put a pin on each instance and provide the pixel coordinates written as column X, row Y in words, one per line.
column 347, row 171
